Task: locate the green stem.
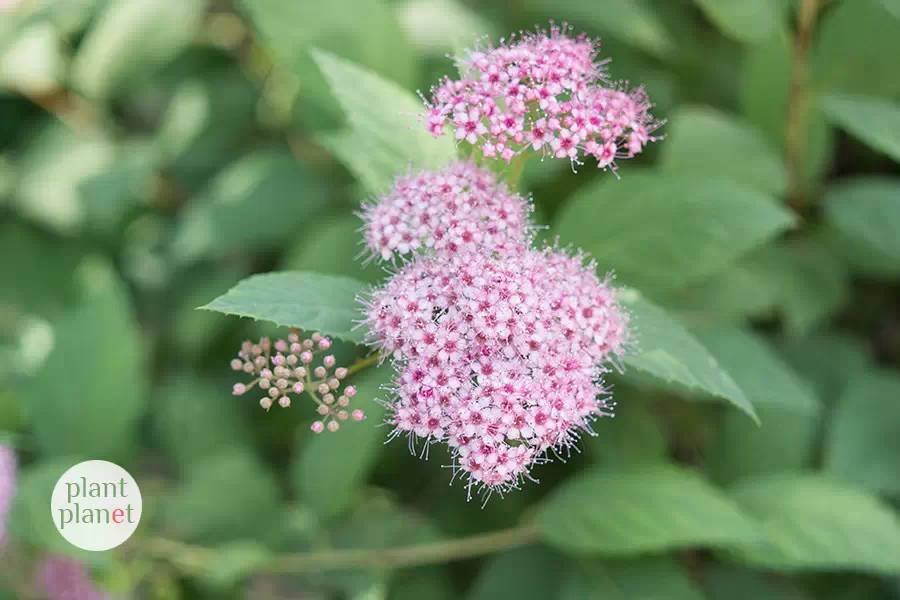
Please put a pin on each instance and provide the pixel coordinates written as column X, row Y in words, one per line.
column 363, row 363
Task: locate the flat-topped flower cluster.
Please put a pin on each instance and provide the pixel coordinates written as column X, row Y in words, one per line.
column 499, row 348
column 545, row 91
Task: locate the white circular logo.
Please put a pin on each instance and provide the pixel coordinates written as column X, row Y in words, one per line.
column 96, row 505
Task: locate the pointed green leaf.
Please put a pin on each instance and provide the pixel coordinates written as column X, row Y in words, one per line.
column 873, row 120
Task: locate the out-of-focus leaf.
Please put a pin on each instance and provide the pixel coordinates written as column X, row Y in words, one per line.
column 863, row 445
column 234, row 562
column 646, row 509
column 743, row 21
column 230, row 496
column 331, row 467
column 815, row 285
column 130, row 38
column 327, row 303
column 87, row 398
column 729, row 582
column 632, row 21
column 840, row 63
column 440, row 26
column 332, row 247
column 634, row 436
column 193, row 330
column 701, row 141
column 813, row 523
column 195, row 419
column 383, row 117
column 865, row 212
column 255, row 203
column 662, row 232
column 666, row 351
column 34, row 62
column 654, row 578
column 828, row 361
column 873, row 120
column 531, row 573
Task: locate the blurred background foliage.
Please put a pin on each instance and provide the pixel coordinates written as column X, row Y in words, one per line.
column 155, row 152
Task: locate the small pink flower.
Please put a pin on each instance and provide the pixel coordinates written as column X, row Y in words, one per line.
column 7, row 487
column 63, row 578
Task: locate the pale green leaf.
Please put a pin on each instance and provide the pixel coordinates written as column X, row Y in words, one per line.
column 647, row 509
column 331, row 467
column 873, row 120
column 812, row 523
column 828, row 361
column 440, row 26
column 662, row 231
column 863, row 445
column 384, row 118
column 333, row 247
column 667, row 351
column 312, row 301
column 815, row 285
column 652, row 578
column 741, row 20
column 530, row 573
column 701, row 141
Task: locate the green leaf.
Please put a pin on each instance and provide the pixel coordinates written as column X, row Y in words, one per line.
column 130, row 38
column 382, row 117
column 530, row 573
column 234, row 562
column 730, row 582
column 254, row 203
column 828, row 361
column 865, row 213
column 812, row 523
column 441, row 26
column 840, row 63
column 647, row 509
column 863, row 447
column 331, row 248
column 331, row 467
column 33, row 63
column 327, row 303
column 225, row 497
column 873, row 120
column 667, row 351
column 815, row 286
column 631, row 21
column 662, row 232
column 741, row 20
column 702, row 140
column 635, row 436
column 89, row 395
column 652, row 578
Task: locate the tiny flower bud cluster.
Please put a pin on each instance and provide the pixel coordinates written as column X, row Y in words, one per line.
column 7, row 487
column 63, row 578
column 458, row 209
column 498, row 355
column 546, row 91
column 286, row 368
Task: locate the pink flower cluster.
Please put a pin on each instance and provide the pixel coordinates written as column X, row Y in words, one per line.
column 455, row 210
column 499, row 355
column 7, row 487
column 288, row 367
column 63, row 578
column 546, row 91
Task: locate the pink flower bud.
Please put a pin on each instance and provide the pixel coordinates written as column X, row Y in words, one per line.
column 300, row 372
column 237, row 364
column 266, row 373
column 320, row 372
column 317, row 427
column 296, row 348
column 248, row 367
column 306, row 357
column 343, row 401
column 350, row 391
column 266, row 403
column 358, row 415
column 282, row 384
column 316, row 336
column 293, row 337
column 323, row 389
column 238, row 389
column 333, row 383
column 340, row 372
column 278, row 359
column 323, row 410
column 328, row 398
column 274, row 392
column 333, row 426
column 343, row 415
column 281, row 346
column 284, row 402
column 328, row 361
column 324, row 344
column 298, row 388
column 264, row 384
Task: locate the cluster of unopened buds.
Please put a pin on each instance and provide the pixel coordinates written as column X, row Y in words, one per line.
column 293, row 367
column 499, row 348
column 543, row 91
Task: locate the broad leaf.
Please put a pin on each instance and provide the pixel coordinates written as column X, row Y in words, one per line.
column 667, row 351
column 647, row 509
column 743, row 21
column 655, row 578
column 327, row 303
column 873, row 120
column 701, row 141
column 810, row 522
column 331, row 467
column 863, row 446
column 383, row 118
column 530, row 573
column 661, row 231
column 440, row 26
column 634, row 436
column 329, row 248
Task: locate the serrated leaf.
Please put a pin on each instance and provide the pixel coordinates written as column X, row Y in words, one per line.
column 873, row 120
column 667, row 351
column 741, row 20
column 331, row 467
column 652, row 578
column 865, row 213
column 701, row 140
column 90, row 393
column 662, row 231
column 254, row 203
column 383, row 117
column 862, row 446
column 812, row 523
column 647, row 509
column 313, row 301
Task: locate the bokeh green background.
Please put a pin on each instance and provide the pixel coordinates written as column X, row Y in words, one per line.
column 155, row 152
